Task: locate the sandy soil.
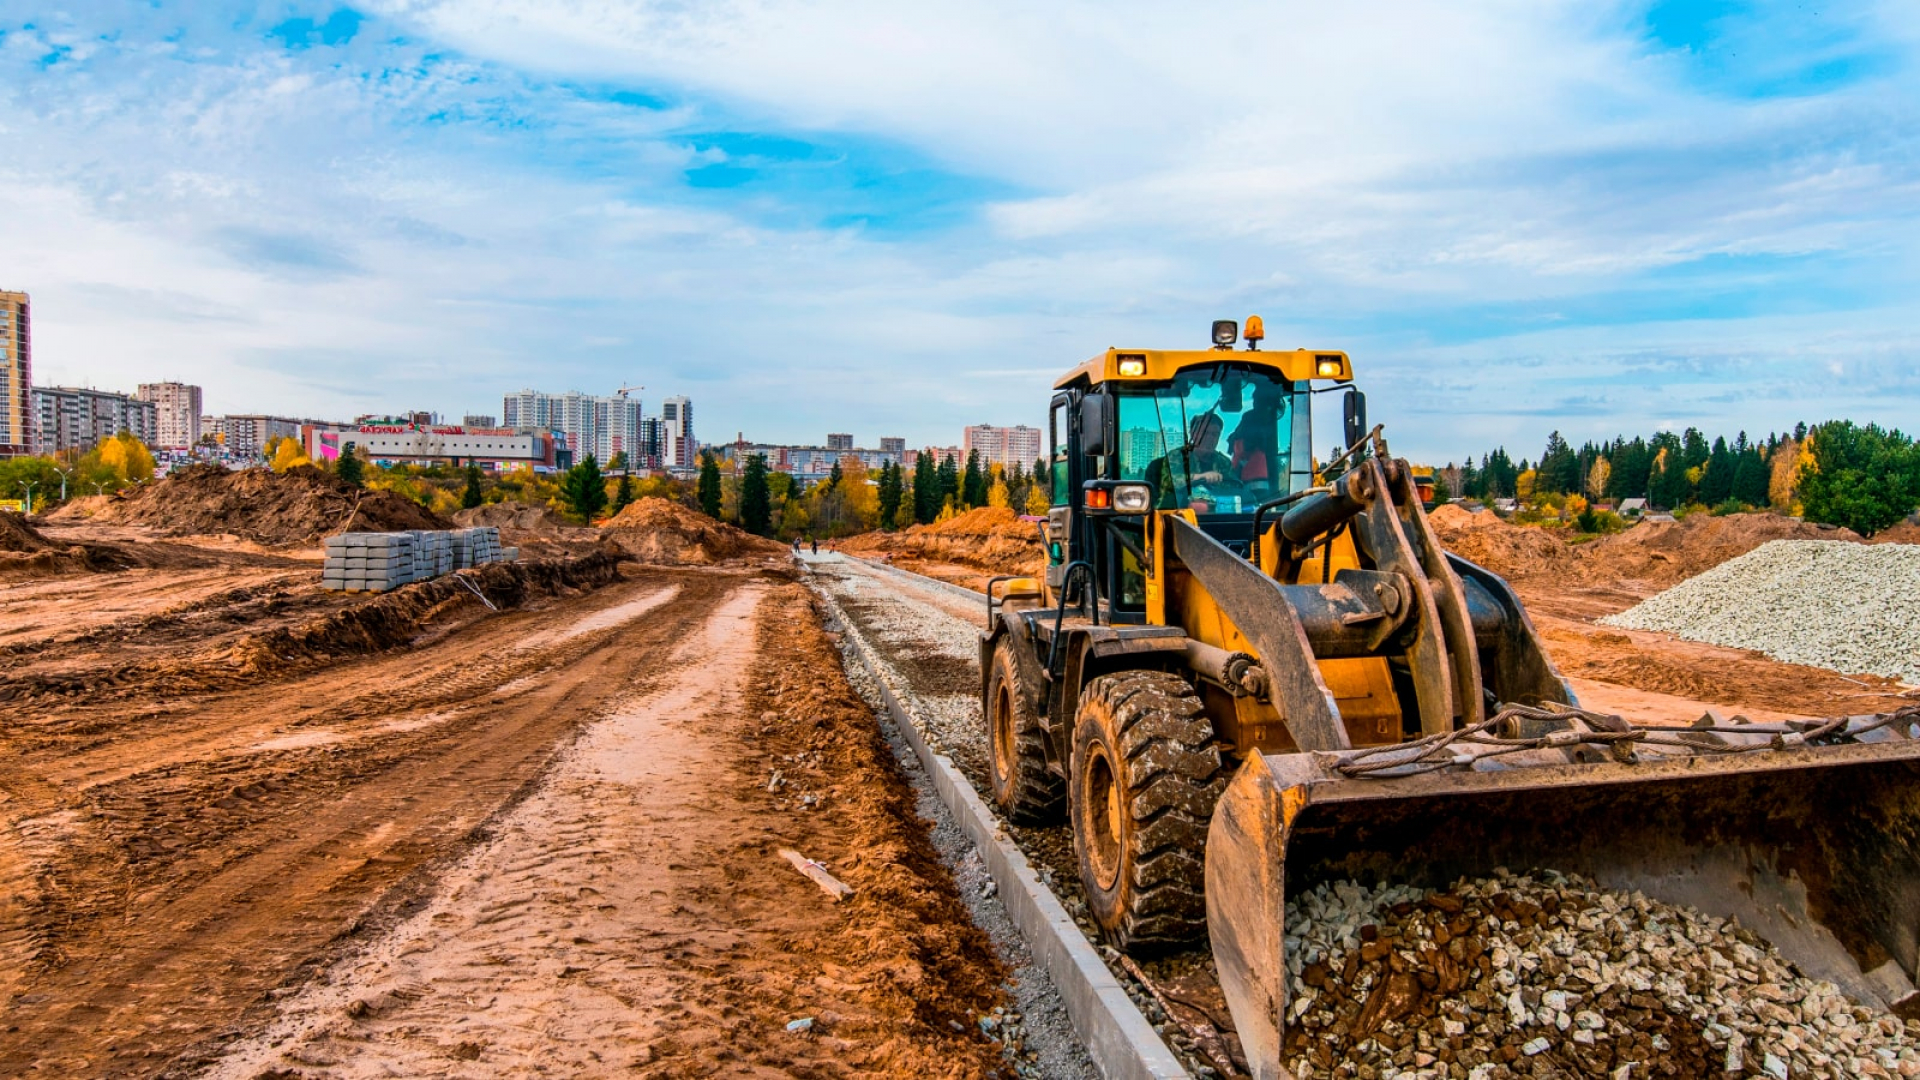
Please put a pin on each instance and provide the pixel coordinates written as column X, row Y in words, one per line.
column 217, row 779
column 634, row 914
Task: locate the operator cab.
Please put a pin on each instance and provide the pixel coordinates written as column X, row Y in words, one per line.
column 1216, row 432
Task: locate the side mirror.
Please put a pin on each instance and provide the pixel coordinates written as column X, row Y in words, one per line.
column 1093, row 424
column 1356, row 410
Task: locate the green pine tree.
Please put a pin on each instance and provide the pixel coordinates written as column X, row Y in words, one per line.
column 585, row 489
column 472, row 497
column 889, row 495
column 708, row 487
column 623, row 493
column 756, row 503
column 926, row 489
column 348, row 468
column 973, row 486
column 949, row 484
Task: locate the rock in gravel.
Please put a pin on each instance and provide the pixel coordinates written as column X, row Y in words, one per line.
column 1825, row 603
column 1549, row 975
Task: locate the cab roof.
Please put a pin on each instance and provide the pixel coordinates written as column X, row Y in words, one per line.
column 1161, row 365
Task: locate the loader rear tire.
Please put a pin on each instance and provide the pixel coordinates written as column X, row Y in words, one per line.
column 1145, row 775
column 1017, row 733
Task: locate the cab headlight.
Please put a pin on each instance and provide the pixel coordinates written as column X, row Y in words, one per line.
column 1132, row 498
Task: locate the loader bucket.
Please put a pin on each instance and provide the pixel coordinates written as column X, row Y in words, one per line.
column 1814, row 847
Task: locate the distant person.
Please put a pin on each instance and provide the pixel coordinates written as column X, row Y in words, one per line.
column 1175, row 475
column 815, row 544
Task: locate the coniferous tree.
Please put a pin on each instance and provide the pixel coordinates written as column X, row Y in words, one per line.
column 585, row 489
column 623, row 493
column 834, row 476
column 973, row 486
column 926, row 489
column 889, row 495
column 707, row 489
column 949, row 483
column 756, row 502
column 472, row 497
column 1716, row 484
column 348, row 467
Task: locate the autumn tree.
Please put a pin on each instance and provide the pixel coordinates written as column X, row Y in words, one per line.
column 998, row 495
column 1599, row 479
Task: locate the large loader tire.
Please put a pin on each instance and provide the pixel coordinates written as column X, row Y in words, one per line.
column 1017, row 734
column 1145, row 774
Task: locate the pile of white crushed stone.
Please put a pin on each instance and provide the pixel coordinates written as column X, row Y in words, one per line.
column 1846, row 607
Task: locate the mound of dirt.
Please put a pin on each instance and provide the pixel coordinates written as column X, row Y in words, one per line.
column 17, row 535
column 990, row 538
column 1904, row 533
column 1663, row 553
column 298, row 506
column 1515, row 552
column 666, row 533
column 515, row 516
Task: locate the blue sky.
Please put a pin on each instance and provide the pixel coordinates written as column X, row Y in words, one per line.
column 900, row 219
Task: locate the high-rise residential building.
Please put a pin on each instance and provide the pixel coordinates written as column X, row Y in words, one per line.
column 678, row 450
column 247, row 436
column 178, row 408
column 16, row 374
column 1002, row 446
column 893, row 446
column 480, row 420
column 587, row 423
column 68, row 418
column 838, row 440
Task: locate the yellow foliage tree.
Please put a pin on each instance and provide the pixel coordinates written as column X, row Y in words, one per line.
column 1523, row 485
column 1790, row 460
column 863, row 499
column 1038, row 501
column 1598, row 477
column 998, row 495
column 288, row 454
column 127, row 456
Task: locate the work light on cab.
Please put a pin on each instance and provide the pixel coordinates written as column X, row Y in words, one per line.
column 1225, row 333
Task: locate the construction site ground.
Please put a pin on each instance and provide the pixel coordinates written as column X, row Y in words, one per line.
column 534, row 840
column 252, row 828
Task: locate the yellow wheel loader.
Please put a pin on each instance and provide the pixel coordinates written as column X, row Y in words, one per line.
column 1245, row 673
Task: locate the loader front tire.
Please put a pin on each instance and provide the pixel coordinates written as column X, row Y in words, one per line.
column 1145, row 774
column 1017, row 764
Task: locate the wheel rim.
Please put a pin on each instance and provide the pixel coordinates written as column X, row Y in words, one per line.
column 1104, row 811
column 1003, row 735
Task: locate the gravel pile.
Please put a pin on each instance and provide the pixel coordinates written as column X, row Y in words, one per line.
column 1825, row 603
column 1516, row 976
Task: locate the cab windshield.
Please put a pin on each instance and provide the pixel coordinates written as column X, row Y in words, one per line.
column 1217, row 439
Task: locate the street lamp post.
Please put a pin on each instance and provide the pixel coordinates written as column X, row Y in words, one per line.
column 27, row 487
column 63, row 481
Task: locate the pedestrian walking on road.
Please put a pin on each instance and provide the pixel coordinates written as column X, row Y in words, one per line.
column 816, row 546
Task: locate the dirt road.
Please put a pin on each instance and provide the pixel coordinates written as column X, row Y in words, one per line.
column 635, row 912
column 181, row 854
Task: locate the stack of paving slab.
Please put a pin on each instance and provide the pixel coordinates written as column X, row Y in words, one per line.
column 369, row 562
column 376, row 562
column 476, row 547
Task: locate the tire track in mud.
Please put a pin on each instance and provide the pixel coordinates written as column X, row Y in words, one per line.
column 172, row 881
column 633, row 915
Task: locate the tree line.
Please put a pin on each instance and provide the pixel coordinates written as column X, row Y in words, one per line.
column 852, row 498
column 1865, row 478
